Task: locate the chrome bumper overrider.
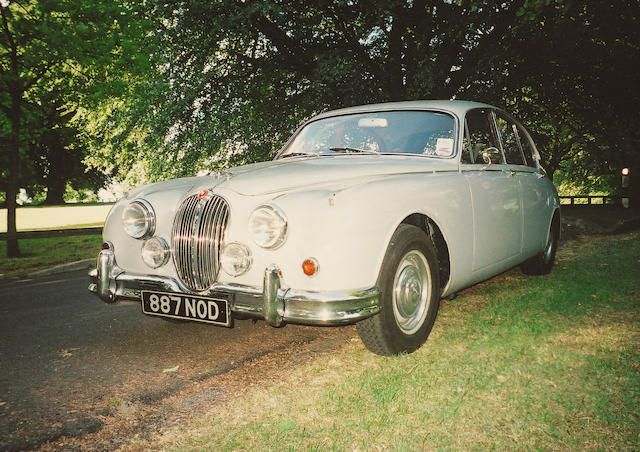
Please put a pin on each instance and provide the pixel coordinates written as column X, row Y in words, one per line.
column 270, row 302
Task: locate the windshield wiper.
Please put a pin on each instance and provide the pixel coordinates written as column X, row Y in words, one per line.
column 299, row 154
column 348, row 150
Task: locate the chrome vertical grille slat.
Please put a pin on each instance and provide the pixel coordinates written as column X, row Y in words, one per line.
column 212, row 234
column 221, row 217
column 205, row 238
column 192, row 213
column 180, row 236
column 197, row 238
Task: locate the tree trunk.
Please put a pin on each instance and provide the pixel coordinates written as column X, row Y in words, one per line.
column 550, row 172
column 62, row 163
column 13, row 249
column 56, row 189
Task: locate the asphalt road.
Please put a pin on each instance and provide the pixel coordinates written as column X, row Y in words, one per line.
column 69, row 363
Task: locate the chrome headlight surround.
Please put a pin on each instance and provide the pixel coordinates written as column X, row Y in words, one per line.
column 268, row 226
column 155, row 252
column 139, row 219
column 235, row 259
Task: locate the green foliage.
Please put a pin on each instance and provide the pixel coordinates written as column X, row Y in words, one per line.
column 563, row 68
column 73, row 195
column 67, row 53
column 154, row 90
column 222, row 83
column 231, row 80
column 591, row 184
column 52, row 52
column 54, row 153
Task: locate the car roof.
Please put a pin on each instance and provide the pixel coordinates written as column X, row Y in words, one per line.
column 458, row 107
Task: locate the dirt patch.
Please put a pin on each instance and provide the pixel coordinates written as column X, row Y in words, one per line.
column 145, row 414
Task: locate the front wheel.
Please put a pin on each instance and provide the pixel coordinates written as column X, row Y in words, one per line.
column 410, row 295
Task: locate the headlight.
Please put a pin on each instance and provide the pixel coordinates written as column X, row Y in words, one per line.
column 235, row 259
column 155, row 252
column 139, row 220
column 268, row 226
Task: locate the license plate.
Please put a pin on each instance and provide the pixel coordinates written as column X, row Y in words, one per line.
column 213, row 310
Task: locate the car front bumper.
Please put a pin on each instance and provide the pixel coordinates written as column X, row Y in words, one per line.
column 270, row 302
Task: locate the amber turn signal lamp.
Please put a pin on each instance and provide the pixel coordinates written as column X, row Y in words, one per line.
column 310, row 266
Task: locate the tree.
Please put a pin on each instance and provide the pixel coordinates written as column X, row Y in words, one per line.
column 57, row 153
column 561, row 68
column 228, row 81
column 45, row 43
column 231, row 80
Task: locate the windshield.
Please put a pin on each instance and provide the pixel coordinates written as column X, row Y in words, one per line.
column 392, row 132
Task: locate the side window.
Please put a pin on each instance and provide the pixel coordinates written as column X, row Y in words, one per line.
column 527, row 147
column 481, row 144
column 467, row 152
column 510, row 140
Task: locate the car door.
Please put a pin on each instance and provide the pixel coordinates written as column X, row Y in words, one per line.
column 495, row 195
column 522, row 160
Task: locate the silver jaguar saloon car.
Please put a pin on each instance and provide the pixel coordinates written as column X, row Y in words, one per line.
column 367, row 215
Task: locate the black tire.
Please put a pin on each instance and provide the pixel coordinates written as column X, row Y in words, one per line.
column 542, row 263
column 407, row 316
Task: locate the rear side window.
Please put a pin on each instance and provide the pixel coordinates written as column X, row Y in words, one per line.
column 528, row 148
column 510, row 140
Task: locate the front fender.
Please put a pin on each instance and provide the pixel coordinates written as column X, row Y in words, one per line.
column 347, row 229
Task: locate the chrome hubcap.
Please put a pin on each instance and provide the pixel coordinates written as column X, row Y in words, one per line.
column 411, row 292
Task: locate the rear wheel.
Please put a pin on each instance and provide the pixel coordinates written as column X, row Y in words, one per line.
column 410, row 295
column 542, row 263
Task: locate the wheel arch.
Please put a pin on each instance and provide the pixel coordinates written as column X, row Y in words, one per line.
column 431, row 228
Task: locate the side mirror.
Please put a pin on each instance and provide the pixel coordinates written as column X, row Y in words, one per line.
column 491, row 155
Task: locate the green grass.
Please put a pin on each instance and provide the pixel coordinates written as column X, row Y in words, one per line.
column 517, row 363
column 37, row 254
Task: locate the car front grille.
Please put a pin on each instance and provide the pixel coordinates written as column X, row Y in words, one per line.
column 197, row 239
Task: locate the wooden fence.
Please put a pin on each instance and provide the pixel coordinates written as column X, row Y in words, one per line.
column 603, row 200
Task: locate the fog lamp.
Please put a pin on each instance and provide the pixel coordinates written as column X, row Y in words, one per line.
column 155, row 252
column 235, row 259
